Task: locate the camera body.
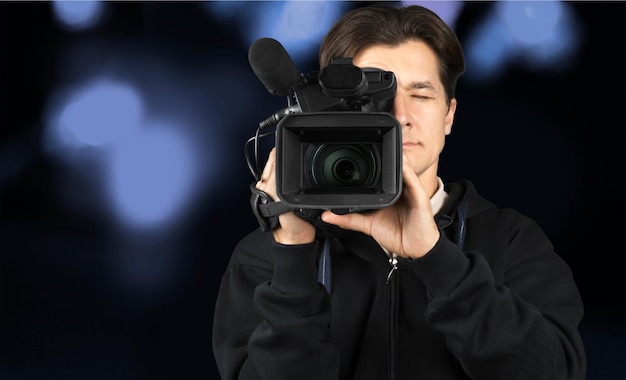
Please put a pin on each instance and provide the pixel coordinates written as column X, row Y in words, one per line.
column 342, row 151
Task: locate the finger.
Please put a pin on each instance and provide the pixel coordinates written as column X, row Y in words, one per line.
column 268, row 170
column 352, row 221
column 409, row 179
column 267, row 183
column 413, row 189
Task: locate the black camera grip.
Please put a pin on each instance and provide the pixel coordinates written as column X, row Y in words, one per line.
column 265, row 209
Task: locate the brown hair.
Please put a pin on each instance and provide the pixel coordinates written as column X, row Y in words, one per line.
column 382, row 24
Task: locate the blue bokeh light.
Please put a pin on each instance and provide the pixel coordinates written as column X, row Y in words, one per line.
column 78, row 15
column 101, row 113
column 150, row 164
column 530, row 22
column 487, row 50
column 537, row 35
column 298, row 25
column 152, row 175
column 546, row 33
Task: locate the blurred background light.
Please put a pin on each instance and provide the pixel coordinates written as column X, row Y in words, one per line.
column 487, row 50
column 537, row 35
column 298, row 25
column 150, row 164
column 78, row 15
column 151, row 175
column 548, row 36
column 100, row 113
column 530, row 23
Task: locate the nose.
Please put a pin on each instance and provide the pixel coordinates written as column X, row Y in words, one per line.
column 398, row 110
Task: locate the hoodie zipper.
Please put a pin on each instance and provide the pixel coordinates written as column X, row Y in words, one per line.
column 393, row 263
column 392, row 283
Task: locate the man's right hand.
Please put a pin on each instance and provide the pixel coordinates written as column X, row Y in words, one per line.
column 292, row 229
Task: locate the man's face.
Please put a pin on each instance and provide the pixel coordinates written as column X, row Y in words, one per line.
column 420, row 102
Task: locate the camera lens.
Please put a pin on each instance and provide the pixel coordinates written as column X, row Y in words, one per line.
column 346, row 170
column 340, row 165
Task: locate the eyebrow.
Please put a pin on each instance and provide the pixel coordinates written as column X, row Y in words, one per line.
column 422, row 85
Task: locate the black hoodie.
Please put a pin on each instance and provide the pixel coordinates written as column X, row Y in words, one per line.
column 490, row 301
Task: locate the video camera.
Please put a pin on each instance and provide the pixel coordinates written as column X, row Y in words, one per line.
column 337, row 147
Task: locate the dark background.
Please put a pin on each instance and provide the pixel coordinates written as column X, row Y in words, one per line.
column 81, row 298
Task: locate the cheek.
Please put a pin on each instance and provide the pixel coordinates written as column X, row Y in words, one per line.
column 436, row 139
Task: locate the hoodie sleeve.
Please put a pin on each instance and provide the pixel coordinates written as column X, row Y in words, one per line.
column 512, row 313
column 273, row 323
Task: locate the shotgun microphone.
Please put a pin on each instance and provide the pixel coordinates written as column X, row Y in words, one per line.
column 273, row 66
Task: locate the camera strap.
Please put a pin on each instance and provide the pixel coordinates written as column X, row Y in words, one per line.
column 266, row 209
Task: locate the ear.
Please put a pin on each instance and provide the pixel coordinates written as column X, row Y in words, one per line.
column 450, row 116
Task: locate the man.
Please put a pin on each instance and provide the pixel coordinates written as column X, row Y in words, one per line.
column 440, row 285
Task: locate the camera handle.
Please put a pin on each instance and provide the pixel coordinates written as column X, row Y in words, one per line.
column 265, row 209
